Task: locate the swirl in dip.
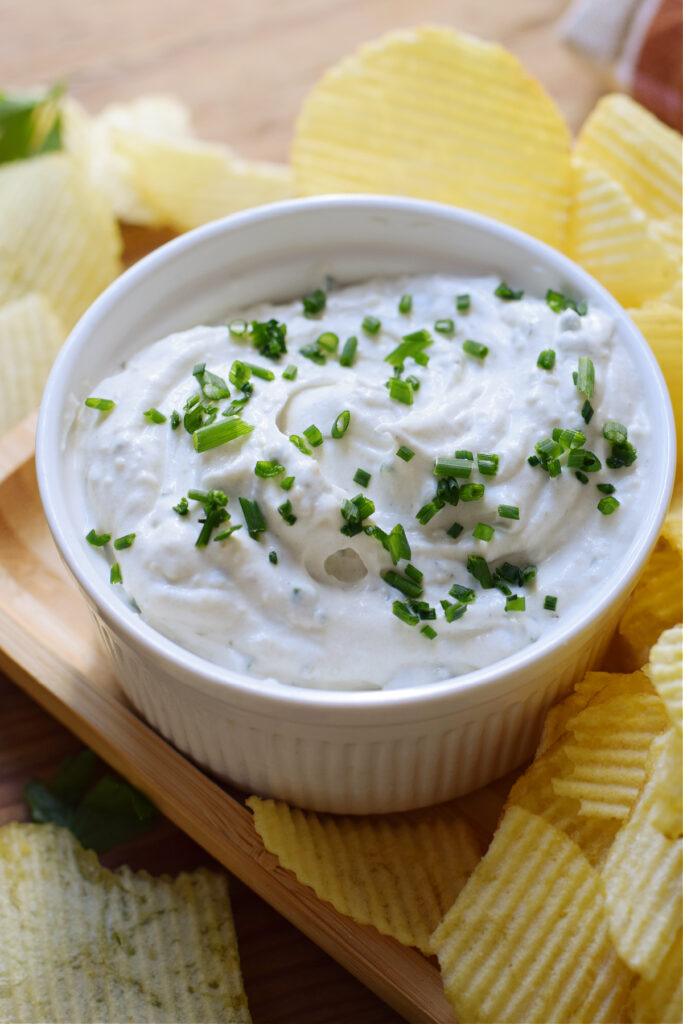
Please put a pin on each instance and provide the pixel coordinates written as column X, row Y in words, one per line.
column 416, row 508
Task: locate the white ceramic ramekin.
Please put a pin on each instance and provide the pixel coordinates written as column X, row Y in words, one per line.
column 338, row 751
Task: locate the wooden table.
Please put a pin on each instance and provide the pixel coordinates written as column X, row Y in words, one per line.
column 243, row 69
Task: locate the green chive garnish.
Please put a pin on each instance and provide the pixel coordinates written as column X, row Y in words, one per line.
column 175, row 419
column 253, row 517
column 314, row 303
column 154, row 416
column 290, row 372
column 452, row 612
column 455, row 530
column 464, row 453
column 515, row 604
column 299, row 443
column 412, row 347
column 445, row 326
column 475, row 348
column 115, row 573
column 328, row 341
column 314, row 353
column 483, row 531
column 269, row 338
column 569, row 438
column 487, row 464
column 348, row 352
column 313, row 436
column 504, row 291
column 268, row 469
column 614, row 431
column 237, row 327
column 456, row 467
column 400, row 390
column 98, row 540
column 413, row 574
column 402, row 612
column 463, row 594
column 407, row 586
column 585, row 380
column 287, row 483
column 508, row 512
column 559, row 302
column 429, row 510
column 285, row 510
column 121, row 543
column 182, row 508
column 429, row 632
column 341, row 424
column 550, row 603
column 606, row 488
column 405, row 303
column 103, row 404
column 371, row 324
column 580, row 458
column 261, row 372
column 546, row 359
column 216, row 434
column 581, row 477
column 587, row 411
column 362, row 477
column 608, row 505
column 471, row 492
column 462, row 302
column 211, row 385
column 478, row 567
column 405, row 453
column 623, row 454
column 224, row 534
column 272, row 557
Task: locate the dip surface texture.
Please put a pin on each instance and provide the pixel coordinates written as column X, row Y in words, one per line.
column 319, row 612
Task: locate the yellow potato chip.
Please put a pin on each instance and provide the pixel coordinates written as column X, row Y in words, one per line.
column 81, row 943
column 58, row 235
column 665, row 669
column 614, row 240
column 639, row 152
column 659, row 1000
column 608, row 746
column 30, row 337
column 662, row 328
column 187, row 183
column 642, row 878
column 655, row 605
column 440, row 115
column 667, row 808
column 398, row 872
column 672, row 530
column 527, row 938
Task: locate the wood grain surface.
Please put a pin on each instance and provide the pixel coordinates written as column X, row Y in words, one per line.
column 243, row 69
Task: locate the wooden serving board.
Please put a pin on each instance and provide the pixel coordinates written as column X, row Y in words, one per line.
column 49, row 646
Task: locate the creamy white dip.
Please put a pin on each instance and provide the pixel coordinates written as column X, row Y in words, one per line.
column 322, row 615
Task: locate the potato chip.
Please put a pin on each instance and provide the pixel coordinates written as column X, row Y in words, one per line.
column 672, row 530
column 187, row 183
column 659, row 1000
column 398, row 872
column 662, row 328
column 614, row 240
column 642, row 879
column 527, row 938
column 30, row 337
column 58, row 236
column 439, row 115
column 608, row 746
column 665, row 669
column 81, row 943
column 639, row 152
column 656, row 603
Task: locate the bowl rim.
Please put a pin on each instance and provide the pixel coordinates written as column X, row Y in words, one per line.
column 269, row 693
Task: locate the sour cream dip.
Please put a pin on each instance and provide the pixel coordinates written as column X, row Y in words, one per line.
column 392, row 511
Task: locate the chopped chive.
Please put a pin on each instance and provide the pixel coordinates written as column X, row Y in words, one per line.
column 405, row 453
column 455, row 467
column 272, row 557
column 290, row 372
column 614, row 431
column 405, row 303
column 453, row 612
column 268, row 469
column 581, row 458
column 504, row 291
column 455, row 530
column 463, row 594
column 413, row 574
column 371, row 324
column 445, row 326
column 397, row 544
column 487, row 464
column 585, row 378
column 472, row 492
column 210, row 384
column 550, row 603
column 314, row 303
column 422, row 609
column 328, row 340
column 478, row 567
column 429, row 632
column 299, row 443
column 515, row 604
column 569, row 438
column 115, row 573
column 362, row 477
column 98, row 540
column 182, row 508
column 408, row 587
column 554, row 468
column 534, row 460
column 287, row 483
column 623, row 454
column 224, row 534
column 546, row 359
column 581, row 477
column 608, row 505
column 587, row 411
column 559, row 302
column 348, row 352
column 462, row 302
column 103, row 404
column 475, row 348
column 482, row 531
column 448, row 490
column 253, row 517
column 606, row 488
column 463, row 453
column 261, row 372
column 402, row 612
column 154, row 416
column 428, row 511
column 237, row 327
column 313, row 436
column 213, row 497
column 400, row 390
column 528, row 574
column 508, row 511
column 314, row 353
column 548, row 449
column 341, row 424
column 121, row 543
column 412, row 347
column 354, row 512
column 240, row 373
column 268, row 338
column 175, row 419
column 215, row 434
column 285, row 510
column 413, row 381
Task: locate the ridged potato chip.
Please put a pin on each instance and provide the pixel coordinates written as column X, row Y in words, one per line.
column 672, row 530
column 659, row 1000
column 81, row 943
column 398, row 872
column 642, row 878
column 30, row 337
column 662, row 327
column 527, row 938
column 59, row 237
column 614, row 240
column 656, row 603
column 665, row 670
column 440, row 115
